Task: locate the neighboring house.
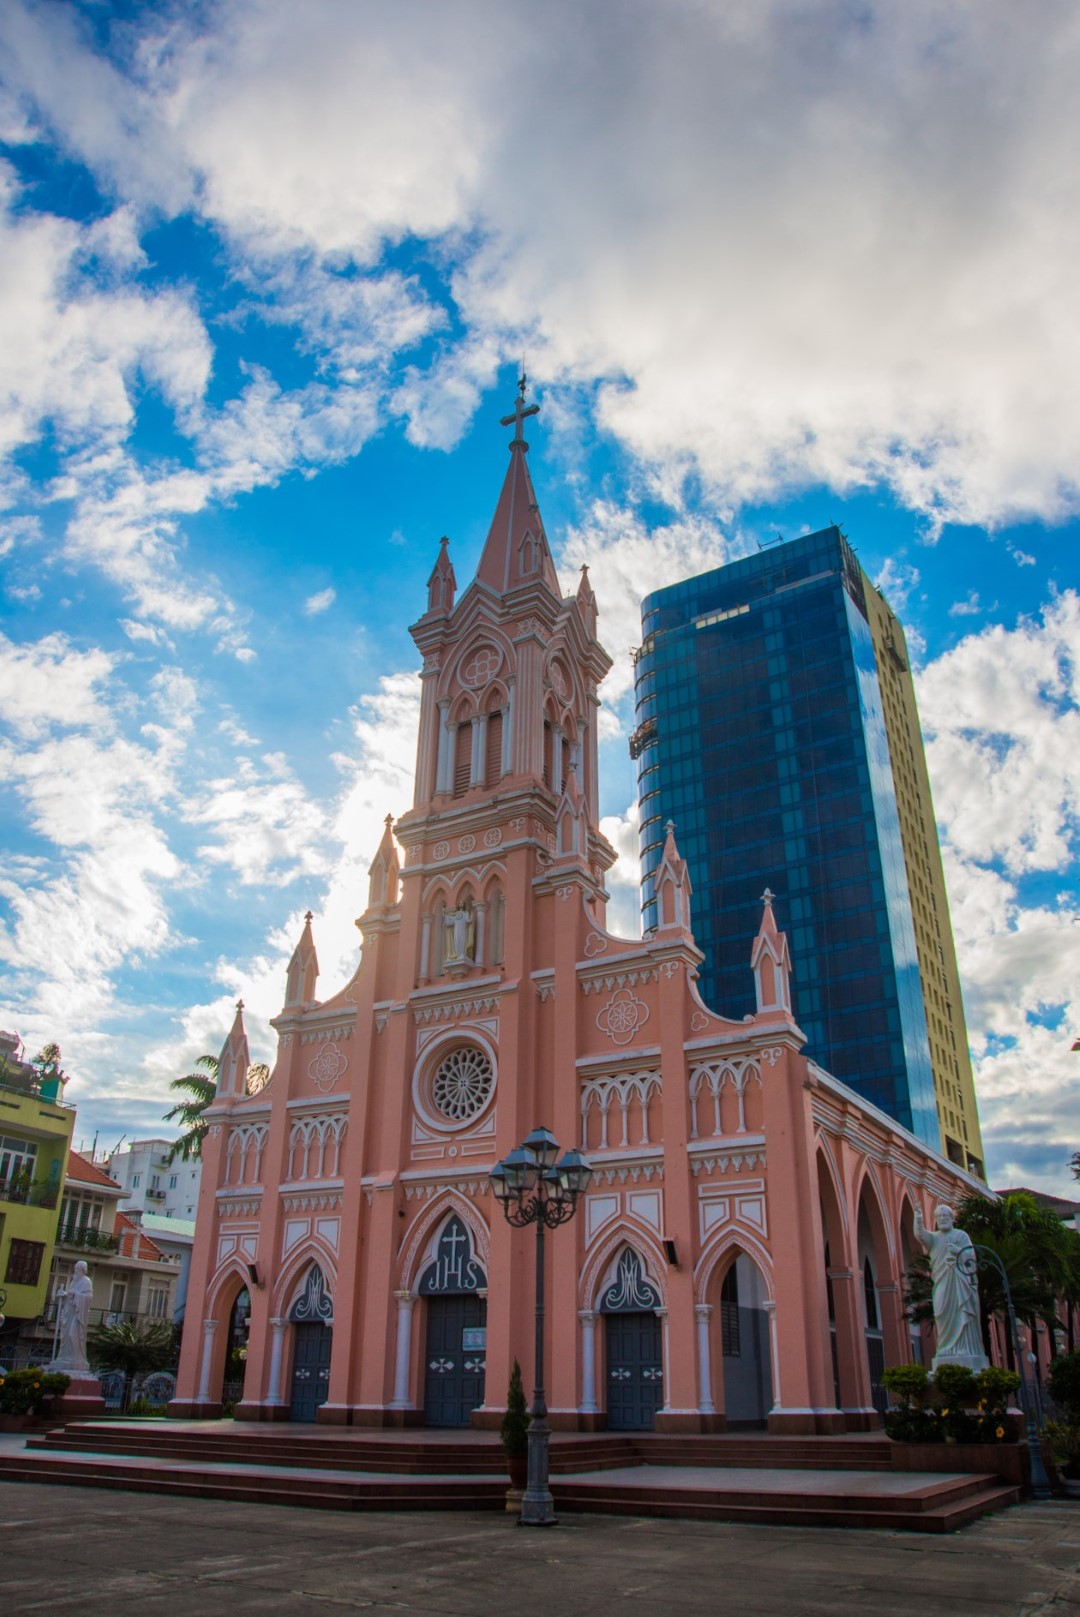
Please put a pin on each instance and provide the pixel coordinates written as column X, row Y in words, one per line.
column 35, row 1134
column 152, row 1183
column 134, row 1278
column 175, row 1237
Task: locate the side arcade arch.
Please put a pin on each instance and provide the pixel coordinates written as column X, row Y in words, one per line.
column 735, row 1313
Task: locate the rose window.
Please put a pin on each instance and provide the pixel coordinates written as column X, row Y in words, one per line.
column 462, row 1084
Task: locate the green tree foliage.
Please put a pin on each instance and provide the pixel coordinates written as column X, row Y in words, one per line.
column 199, row 1089
column 135, row 1349
column 514, row 1429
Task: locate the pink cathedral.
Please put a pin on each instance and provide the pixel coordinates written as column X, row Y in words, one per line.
column 738, row 1257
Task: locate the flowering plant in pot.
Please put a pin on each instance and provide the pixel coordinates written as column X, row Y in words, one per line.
column 514, row 1430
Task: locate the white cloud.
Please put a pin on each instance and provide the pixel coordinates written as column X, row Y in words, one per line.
column 320, row 602
column 969, row 607
column 51, row 683
column 896, row 580
column 631, row 560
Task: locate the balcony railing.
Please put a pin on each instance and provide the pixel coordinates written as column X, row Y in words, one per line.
column 89, row 1240
column 27, row 1193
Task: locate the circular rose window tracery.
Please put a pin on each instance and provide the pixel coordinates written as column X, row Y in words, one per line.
column 461, row 1084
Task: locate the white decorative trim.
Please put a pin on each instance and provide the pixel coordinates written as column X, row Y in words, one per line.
column 595, row 944
column 320, row 1035
column 451, row 1010
column 620, row 979
column 311, row 1204
column 622, row 1016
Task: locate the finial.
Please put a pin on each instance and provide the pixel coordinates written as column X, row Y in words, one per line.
column 767, row 897
column 388, row 822
column 309, row 917
column 521, row 410
column 670, row 828
column 239, row 1004
column 444, row 541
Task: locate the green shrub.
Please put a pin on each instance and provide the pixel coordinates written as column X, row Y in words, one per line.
column 24, row 1392
column 995, row 1388
column 1064, row 1440
column 1064, row 1384
column 908, row 1384
column 914, row 1426
column 955, row 1387
column 514, row 1429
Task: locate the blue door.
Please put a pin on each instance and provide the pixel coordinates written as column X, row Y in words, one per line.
column 455, row 1362
column 635, row 1371
column 311, row 1369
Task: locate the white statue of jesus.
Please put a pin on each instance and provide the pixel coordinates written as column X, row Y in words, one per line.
column 956, row 1291
column 74, row 1321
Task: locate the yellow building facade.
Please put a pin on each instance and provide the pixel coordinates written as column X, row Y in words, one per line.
column 950, row 1058
column 35, row 1136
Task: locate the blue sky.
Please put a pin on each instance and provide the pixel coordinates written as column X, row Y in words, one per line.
column 266, row 275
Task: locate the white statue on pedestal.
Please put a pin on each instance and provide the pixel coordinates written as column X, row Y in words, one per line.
column 956, row 1291
column 74, row 1321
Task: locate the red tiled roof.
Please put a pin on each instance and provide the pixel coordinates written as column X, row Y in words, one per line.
column 82, row 1169
column 134, row 1242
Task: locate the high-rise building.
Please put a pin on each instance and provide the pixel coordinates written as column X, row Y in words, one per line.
column 776, row 725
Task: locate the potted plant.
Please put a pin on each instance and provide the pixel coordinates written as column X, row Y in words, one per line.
column 514, row 1430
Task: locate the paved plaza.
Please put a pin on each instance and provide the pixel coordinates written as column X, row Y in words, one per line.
column 91, row 1552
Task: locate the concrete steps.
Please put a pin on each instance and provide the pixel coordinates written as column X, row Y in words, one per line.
column 833, row 1482
column 938, row 1506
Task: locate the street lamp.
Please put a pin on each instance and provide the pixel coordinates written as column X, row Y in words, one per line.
column 1040, row 1482
column 534, row 1188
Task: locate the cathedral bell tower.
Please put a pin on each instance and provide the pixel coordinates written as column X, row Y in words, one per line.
column 507, row 750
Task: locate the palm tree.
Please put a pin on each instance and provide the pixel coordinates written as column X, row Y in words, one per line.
column 1032, row 1245
column 200, row 1088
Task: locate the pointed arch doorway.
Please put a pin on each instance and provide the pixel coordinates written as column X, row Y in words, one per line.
column 633, row 1344
column 454, row 1287
column 313, row 1337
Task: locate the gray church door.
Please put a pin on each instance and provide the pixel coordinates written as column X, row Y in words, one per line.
column 633, row 1344
column 456, row 1338
column 311, row 1369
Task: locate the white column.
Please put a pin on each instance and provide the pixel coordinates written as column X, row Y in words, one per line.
column 277, row 1348
column 589, row 1405
column 445, row 764
column 479, row 749
column 425, row 947
column 405, row 1301
column 209, row 1327
column 508, row 730
column 774, row 1357
column 662, row 1316
column 703, row 1313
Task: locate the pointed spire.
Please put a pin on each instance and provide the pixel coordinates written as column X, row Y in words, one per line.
column 771, row 962
column 586, row 601
column 442, row 583
column 671, row 884
column 385, row 867
column 516, row 549
column 303, row 969
column 235, row 1058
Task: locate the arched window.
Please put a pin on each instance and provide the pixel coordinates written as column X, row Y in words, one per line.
column 870, row 1293
column 462, row 757
column 497, row 928
column 730, row 1344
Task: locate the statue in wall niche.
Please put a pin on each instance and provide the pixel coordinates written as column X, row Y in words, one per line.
column 73, row 1322
column 956, row 1291
column 460, row 936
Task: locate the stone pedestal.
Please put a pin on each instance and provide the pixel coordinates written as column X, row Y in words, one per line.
column 82, row 1399
column 970, row 1361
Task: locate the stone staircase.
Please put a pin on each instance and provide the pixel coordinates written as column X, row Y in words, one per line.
column 798, row 1481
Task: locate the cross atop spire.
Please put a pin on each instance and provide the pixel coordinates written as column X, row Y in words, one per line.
column 521, row 410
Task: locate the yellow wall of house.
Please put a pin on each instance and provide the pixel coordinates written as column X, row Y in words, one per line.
column 28, row 1117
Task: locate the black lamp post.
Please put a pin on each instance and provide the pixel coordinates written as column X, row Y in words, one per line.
column 1040, row 1482
column 534, row 1188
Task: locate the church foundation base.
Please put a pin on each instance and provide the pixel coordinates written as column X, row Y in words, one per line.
column 559, row 1420
column 861, row 1420
column 188, row 1409
column 387, row 1419
column 689, row 1421
column 273, row 1412
column 808, row 1422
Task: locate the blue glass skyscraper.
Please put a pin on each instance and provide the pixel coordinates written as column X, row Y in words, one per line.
column 765, row 716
